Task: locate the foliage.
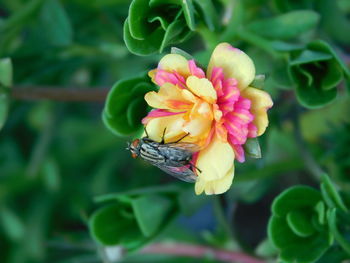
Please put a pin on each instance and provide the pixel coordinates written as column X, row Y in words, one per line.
column 56, row 158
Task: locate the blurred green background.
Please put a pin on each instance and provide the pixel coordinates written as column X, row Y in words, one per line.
column 55, row 157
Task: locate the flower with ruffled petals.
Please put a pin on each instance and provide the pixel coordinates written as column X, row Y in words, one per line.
column 218, row 110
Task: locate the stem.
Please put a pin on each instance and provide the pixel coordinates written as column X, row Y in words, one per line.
column 196, row 251
column 59, row 93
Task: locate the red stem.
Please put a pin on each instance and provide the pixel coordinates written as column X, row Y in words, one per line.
column 196, row 251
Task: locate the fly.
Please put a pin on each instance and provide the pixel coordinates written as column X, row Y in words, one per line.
column 173, row 158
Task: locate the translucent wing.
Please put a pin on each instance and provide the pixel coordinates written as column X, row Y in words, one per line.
column 191, row 147
column 183, row 173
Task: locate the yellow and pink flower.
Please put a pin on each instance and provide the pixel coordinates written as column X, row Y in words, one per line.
column 218, row 110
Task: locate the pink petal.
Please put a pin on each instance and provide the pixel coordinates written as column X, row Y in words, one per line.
column 196, row 71
column 252, row 130
column 239, row 152
column 162, row 77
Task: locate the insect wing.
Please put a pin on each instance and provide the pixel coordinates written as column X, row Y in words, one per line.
column 190, row 147
column 183, row 173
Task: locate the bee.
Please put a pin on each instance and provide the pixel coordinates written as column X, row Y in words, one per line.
column 173, row 158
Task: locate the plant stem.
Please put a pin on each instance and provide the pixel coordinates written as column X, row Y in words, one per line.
column 196, row 251
column 59, row 93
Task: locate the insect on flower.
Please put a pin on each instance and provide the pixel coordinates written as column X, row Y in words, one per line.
column 173, row 158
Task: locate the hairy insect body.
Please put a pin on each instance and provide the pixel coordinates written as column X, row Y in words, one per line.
column 173, row 158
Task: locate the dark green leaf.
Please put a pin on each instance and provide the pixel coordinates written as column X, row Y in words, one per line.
column 308, row 56
column 172, row 33
column 332, row 221
column 149, row 45
column 296, row 197
column 138, row 24
column 151, row 212
column 286, row 26
column 285, row 46
column 252, row 148
column 300, row 223
column 56, row 24
column 109, row 226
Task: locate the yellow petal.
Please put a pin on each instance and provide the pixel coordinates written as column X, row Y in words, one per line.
column 260, row 103
column 171, row 124
column 175, row 62
column 216, row 160
column 169, row 96
column 235, row 64
column 215, row 186
column 202, row 88
column 198, row 127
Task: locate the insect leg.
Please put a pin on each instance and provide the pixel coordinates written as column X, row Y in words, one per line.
column 144, row 127
column 193, row 166
column 182, row 137
column 163, row 141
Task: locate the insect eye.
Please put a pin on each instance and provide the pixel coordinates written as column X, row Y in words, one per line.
column 134, row 155
column 135, row 143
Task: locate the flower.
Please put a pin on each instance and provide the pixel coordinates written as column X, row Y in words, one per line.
column 218, row 110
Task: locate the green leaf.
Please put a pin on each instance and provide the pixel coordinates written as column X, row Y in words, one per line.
column 187, row 7
column 308, row 56
column 147, row 46
column 329, row 192
column 321, row 212
column 56, row 24
column 286, row 46
column 252, row 148
column 258, row 82
column 109, row 226
column 4, row 107
column 296, row 197
column 332, row 221
column 12, row 224
column 151, row 212
column 172, row 33
column 266, row 249
column 286, row 26
column 294, row 248
column 6, row 72
column 209, row 13
column 300, row 223
column 118, row 125
column 139, row 27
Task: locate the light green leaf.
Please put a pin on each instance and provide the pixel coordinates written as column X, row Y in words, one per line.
column 6, row 72
column 329, row 192
column 252, row 148
column 187, row 7
column 286, row 26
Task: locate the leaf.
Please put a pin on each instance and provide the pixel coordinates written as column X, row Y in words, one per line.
column 252, row 148
column 139, row 27
column 4, row 107
column 209, row 13
column 113, row 225
column 329, row 192
column 258, row 82
column 56, row 24
column 332, row 221
column 292, row 247
column 151, row 212
column 266, row 249
column 172, row 32
column 175, row 50
column 6, row 72
column 149, row 45
column 321, row 212
column 296, row 197
column 286, row 26
column 187, row 7
column 308, row 56
column 300, row 223
column 286, row 46
column 12, row 224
